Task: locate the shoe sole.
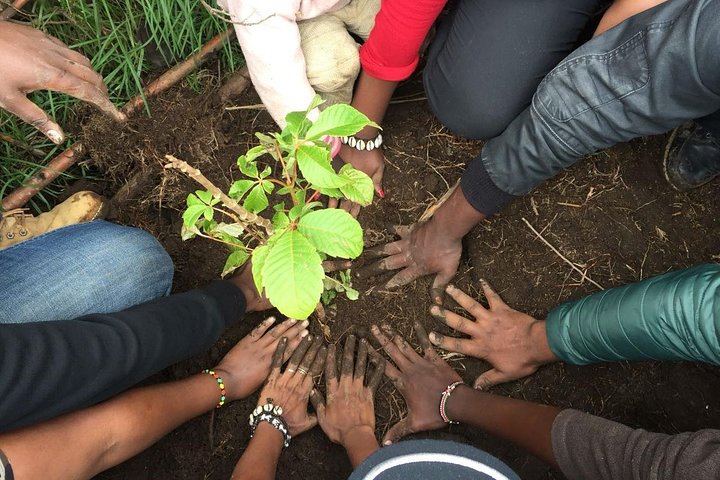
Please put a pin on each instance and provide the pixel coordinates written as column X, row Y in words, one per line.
column 668, row 147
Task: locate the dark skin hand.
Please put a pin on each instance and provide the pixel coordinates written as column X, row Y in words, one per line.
column 34, row 61
column 420, row 380
column 514, row 343
column 432, row 247
column 347, row 416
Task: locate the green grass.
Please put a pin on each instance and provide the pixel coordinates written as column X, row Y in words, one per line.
column 106, row 32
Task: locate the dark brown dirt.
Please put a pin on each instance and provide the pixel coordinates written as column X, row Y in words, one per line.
column 612, row 215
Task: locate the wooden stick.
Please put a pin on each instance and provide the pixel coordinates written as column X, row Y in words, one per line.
column 574, row 267
column 235, row 85
column 41, row 179
column 63, row 161
column 10, row 11
column 430, row 211
column 179, row 71
column 196, row 175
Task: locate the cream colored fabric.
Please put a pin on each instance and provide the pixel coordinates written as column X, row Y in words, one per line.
column 293, row 47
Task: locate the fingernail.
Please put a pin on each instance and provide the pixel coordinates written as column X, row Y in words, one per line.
column 435, row 310
column 292, row 321
column 450, row 287
column 374, row 328
column 305, row 323
column 381, row 192
column 387, row 442
column 432, row 337
column 55, row 136
column 303, row 333
column 270, row 320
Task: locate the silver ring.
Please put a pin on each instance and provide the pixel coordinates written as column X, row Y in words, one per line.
column 302, row 371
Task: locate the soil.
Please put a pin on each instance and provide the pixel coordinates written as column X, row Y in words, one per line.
column 612, row 214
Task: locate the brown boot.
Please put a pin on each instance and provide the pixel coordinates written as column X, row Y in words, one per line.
column 17, row 225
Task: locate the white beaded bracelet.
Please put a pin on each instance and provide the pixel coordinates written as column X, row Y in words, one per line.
column 362, row 144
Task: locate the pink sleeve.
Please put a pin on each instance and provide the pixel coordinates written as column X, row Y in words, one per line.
column 392, row 51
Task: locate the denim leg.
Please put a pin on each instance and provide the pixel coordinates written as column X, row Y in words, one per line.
column 653, row 72
column 95, row 267
column 489, row 56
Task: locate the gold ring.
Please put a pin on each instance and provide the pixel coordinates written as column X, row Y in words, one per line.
column 302, row 371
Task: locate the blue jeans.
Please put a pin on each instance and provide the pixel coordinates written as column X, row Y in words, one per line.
column 95, row 267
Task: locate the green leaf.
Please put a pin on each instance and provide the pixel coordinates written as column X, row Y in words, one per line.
column 206, row 197
column 186, row 233
column 255, row 152
column 256, row 200
column 247, row 167
column 333, row 231
column 314, row 163
column 232, row 229
column 209, row 213
column 296, row 123
column 268, row 186
column 295, row 212
column 280, row 220
column 359, row 187
column 234, row 260
column 258, row 262
column 314, row 103
column 351, row 293
column 240, row 188
column 192, row 199
column 293, row 275
column 338, row 120
column 332, row 192
column 266, row 140
column 192, row 214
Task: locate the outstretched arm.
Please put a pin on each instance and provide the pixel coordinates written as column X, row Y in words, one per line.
column 93, row 440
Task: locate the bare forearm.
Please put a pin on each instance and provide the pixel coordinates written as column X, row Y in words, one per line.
column 456, row 216
column 372, row 97
column 93, row 440
column 259, row 462
column 526, row 424
column 621, row 10
column 360, row 445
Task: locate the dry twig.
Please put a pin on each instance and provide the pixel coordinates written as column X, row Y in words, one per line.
column 10, row 11
column 557, row 252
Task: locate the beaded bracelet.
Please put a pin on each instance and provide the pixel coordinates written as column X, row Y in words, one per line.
column 443, row 401
column 272, row 414
column 363, row 144
column 221, row 386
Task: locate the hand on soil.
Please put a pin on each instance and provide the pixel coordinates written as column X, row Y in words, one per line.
column 420, row 380
column 513, row 342
column 349, row 409
column 34, row 61
column 422, row 250
column 291, row 389
column 247, row 364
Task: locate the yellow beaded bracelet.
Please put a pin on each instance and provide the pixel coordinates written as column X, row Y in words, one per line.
column 221, row 386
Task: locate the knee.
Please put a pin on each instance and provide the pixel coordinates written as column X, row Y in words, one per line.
column 469, row 111
column 145, row 265
column 331, row 57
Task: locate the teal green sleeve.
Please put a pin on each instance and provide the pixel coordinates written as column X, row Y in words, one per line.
column 675, row 316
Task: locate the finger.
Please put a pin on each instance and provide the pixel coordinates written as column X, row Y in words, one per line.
column 30, row 113
column 294, row 340
column 330, row 369
column 335, row 265
column 390, row 348
column 86, row 92
column 493, row 298
column 437, row 290
column 316, row 367
column 405, row 348
column 377, row 374
column 403, row 278
column 260, row 330
column 361, row 362
column 452, row 344
column 332, row 202
column 355, row 210
column 399, row 430
column 318, row 403
column 472, row 306
column 389, row 263
column 277, row 359
column 298, row 354
column 309, row 357
column 453, row 320
column 346, row 205
column 491, row 378
column 422, row 337
column 392, row 248
column 402, row 230
column 62, row 49
column 346, row 370
column 284, row 327
column 81, row 71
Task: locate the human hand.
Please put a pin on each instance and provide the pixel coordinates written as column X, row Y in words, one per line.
column 247, row 364
column 423, row 249
column 33, row 61
column 513, row 342
column 256, row 302
column 290, row 389
column 349, row 410
column 420, row 380
column 371, row 163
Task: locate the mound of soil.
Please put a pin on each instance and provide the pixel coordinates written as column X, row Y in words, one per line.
column 612, row 215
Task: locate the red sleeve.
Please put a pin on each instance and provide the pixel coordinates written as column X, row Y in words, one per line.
column 392, row 50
